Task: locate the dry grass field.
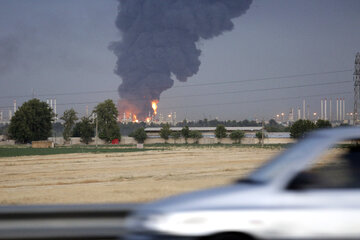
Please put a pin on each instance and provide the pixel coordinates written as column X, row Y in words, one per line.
column 123, row 177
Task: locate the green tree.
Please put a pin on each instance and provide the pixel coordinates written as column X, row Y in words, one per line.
column 196, row 135
column 107, row 114
column 175, row 136
column 165, row 132
column 69, row 117
column 139, row 135
column 31, row 122
column 185, row 132
column 300, row 127
column 323, row 124
column 76, row 130
column 86, row 130
column 237, row 136
column 220, row 132
column 260, row 135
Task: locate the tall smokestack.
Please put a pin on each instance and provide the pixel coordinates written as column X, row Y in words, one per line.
column 14, row 106
column 299, row 113
column 344, row 109
column 55, row 109
column 1, row 116
column 10, row 115
column 325, row 114
column 51, row 103
column 308, row 111
column 322, row 109
column 159, row 40
column 340, row 109
column 337, row 109
column 330, row 110
column 304, row 110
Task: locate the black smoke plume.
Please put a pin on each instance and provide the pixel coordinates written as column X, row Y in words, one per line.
column 159, row 41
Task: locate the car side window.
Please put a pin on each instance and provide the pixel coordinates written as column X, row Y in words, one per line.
column 339, row 167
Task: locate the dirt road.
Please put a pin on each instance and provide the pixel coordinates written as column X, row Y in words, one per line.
column 123, row 177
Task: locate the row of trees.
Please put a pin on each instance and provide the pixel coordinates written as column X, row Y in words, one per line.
column 220, row 132
column 299, row 128
column 34, row 121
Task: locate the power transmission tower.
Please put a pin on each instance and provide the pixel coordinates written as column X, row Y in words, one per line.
column 356, row 89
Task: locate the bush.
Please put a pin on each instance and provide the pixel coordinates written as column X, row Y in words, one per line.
column 300, row 127
column 139, row 135
column 165, row 132
column 220, row 132
column 175, row 136
column 185, row 132
column 323, row 124
column 260, row 135
column 237, row 136
column 196, row 135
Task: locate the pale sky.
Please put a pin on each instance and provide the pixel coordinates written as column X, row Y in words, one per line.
column 59, row 47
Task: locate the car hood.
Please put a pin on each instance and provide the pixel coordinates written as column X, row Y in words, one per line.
column 238, row 195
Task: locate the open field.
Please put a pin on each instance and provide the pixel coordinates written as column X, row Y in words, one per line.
column 124, row 176
column 11, row 151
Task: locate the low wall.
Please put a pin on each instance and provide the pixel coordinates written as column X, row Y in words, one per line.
column 131, row 141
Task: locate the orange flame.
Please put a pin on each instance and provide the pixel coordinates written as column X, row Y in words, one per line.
column 135, row 118
column 148, row 119
column 154, row 106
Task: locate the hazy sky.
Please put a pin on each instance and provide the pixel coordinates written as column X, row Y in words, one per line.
column 58, row 47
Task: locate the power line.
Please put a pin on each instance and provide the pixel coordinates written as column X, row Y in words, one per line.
column 219, row 104
column 188, row 85
column 247, row 91
column 258, row 90
column 259, row 100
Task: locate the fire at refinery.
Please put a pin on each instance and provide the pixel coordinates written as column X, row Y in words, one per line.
column 128, row 112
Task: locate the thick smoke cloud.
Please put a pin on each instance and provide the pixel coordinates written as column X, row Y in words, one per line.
column 159, row 42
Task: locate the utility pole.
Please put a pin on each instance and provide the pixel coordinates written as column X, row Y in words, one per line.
column 356, row 89
column 96, row 131
column 262, row 134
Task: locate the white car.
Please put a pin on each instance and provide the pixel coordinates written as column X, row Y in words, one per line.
column 291, row 197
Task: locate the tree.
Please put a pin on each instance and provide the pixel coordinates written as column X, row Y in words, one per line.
column 300, row 127
column 323, row 124
column 86, row 130
column 139, row 135
column 165, row 132
column 69, row 117
column 76, row 130
column 185, row 132
column 260, row 135
column 220, row 132
column 107, row 114
column 31, row 122
column 196, row 135
column 237, row 136
column 175, row 136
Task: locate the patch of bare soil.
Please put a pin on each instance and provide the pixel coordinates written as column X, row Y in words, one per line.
column 123, row 177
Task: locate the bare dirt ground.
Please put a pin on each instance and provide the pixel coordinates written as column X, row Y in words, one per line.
column 123, row 177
